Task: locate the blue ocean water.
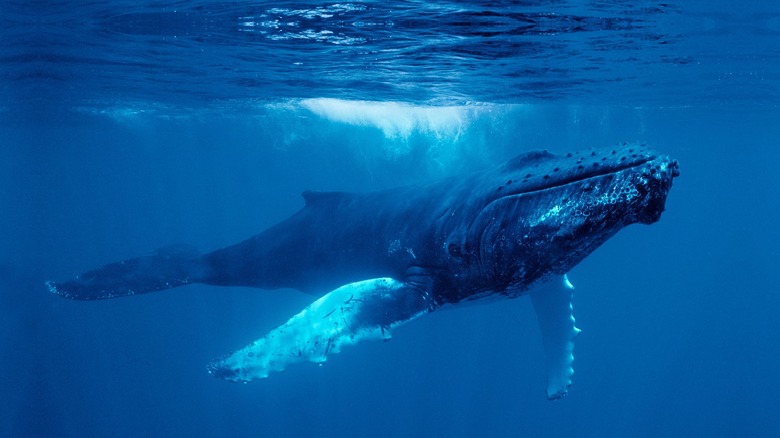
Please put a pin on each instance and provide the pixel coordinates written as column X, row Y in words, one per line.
column 129, row 126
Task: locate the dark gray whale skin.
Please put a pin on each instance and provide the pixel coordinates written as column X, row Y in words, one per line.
column 385, row 258
column 498, row 231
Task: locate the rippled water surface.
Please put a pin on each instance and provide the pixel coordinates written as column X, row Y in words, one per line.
column 192, row 53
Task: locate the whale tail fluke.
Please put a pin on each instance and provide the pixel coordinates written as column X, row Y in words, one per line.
column 163, row 269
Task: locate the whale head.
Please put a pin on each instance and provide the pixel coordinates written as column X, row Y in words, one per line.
column 543, row 213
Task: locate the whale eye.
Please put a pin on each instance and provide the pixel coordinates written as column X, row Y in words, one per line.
column 454, row 249
column 587, row 187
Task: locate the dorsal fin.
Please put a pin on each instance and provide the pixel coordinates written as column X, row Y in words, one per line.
column 312, row 196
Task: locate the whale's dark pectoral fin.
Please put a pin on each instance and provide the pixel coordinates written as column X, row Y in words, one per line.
column 552, row 303
column 161, row 270
column 363, row 310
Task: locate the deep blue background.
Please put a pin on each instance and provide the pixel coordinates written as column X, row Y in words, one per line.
column 678, row 318
column 126, row 126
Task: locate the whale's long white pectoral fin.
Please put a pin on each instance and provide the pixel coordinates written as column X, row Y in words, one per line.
column 362, row 310
column 552, row 303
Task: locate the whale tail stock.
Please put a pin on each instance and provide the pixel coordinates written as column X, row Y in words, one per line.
column 162, row 269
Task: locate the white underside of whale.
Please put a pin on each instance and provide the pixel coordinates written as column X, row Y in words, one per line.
column 370, row 309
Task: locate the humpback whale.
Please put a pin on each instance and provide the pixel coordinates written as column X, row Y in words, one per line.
column 380, row 259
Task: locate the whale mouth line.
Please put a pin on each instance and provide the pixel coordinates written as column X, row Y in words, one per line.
column 595, row 172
